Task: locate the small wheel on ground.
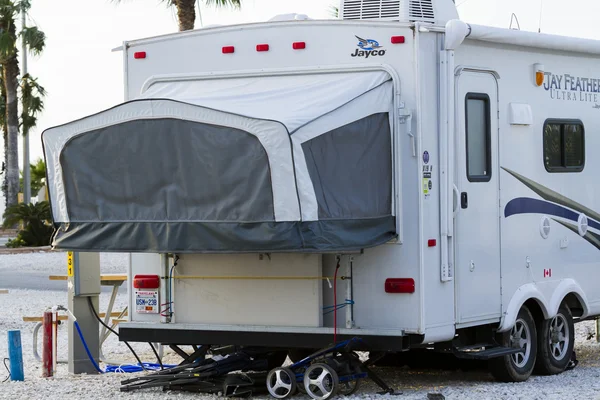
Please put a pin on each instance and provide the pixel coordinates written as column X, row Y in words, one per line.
column 349, row 387
column 281, row 383
column 517, row 367
column 321, row 382
column 556, row 338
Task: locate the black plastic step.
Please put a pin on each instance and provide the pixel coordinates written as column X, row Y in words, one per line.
column 490, row 352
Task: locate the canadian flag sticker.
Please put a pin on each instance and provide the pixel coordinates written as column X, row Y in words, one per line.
column 547, row 273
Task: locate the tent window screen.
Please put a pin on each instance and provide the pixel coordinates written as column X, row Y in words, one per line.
column 167, row 170
column 478, row 137
column 351, row 169
column 564, row 145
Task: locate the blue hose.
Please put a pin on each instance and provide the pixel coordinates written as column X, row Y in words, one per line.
column 118, row 368
column 87, row 350
column 135, row 368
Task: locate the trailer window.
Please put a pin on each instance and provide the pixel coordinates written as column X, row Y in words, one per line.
column 478, row 137
column 564, row 145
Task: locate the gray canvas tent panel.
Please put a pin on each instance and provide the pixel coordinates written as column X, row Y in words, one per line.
column 159, row 175
column 186, row 175
column 342, row 165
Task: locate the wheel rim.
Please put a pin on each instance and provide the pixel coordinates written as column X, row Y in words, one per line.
column 279, row 383
column 319, row 383
column 520, row 338
column 559, row 337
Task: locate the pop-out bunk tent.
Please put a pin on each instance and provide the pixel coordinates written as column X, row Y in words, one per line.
column 260, row 164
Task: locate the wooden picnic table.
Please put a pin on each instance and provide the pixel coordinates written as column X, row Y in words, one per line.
column 114, row 280
column 105, row 280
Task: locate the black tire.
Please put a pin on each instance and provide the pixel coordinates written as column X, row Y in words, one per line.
column 517, row 367
column 330, row 382
column 281, row 383
column 556, row 338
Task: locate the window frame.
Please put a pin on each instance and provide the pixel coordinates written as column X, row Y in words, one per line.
column 562, row 122
column 488, row 137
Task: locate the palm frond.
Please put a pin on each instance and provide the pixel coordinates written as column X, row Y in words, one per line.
column 34, row 38
column 334, row 11
column 32, row 94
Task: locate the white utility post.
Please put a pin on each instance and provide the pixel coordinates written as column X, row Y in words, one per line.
column 26, row 167
column 84, row 283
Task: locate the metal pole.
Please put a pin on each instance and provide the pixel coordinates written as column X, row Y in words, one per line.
column 47, row 352
column 26, row 162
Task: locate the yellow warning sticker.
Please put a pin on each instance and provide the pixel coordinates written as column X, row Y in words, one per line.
column 70, row 263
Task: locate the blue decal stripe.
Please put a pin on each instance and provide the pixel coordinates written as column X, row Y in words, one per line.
column 526, row 205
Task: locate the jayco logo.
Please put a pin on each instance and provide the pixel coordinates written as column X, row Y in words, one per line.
column 368, row 48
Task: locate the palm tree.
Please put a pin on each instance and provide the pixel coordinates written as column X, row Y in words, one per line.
column 34, row 40
column 38, row 176
column 186, row 10
column 35, row 219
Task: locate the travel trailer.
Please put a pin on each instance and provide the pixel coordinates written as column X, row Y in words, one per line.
column 396, row 175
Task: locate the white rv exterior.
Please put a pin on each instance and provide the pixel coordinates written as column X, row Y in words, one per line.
column 494, row 190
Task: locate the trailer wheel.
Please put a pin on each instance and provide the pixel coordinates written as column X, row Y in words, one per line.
column 281, row 383
column 349, row 387
column 519, row 366
column 555, row 342
column 321, row 382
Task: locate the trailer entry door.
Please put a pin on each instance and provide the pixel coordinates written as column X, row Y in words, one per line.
column 478, row 223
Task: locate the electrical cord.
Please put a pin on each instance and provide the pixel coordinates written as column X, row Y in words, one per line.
column 157, row 356
column 113, row 331
column 6, row 366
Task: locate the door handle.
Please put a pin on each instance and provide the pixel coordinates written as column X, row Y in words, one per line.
column 455, row 196
column 464, row 200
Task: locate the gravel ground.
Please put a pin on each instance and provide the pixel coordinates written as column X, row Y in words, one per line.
column 582, row 383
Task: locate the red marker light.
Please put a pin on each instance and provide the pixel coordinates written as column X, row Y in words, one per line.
column 431, row 242
column 399, row 285
column 299, row 45
column 262, row 47
column 398, row 39
column 139, row 55
column 228, row 49
column 146, row 282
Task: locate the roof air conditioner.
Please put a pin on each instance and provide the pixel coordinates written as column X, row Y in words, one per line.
column 433, row 11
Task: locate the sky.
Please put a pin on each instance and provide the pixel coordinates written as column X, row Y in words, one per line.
column 82, row 76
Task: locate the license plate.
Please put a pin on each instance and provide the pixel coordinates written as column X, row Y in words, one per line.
column 146, row 302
